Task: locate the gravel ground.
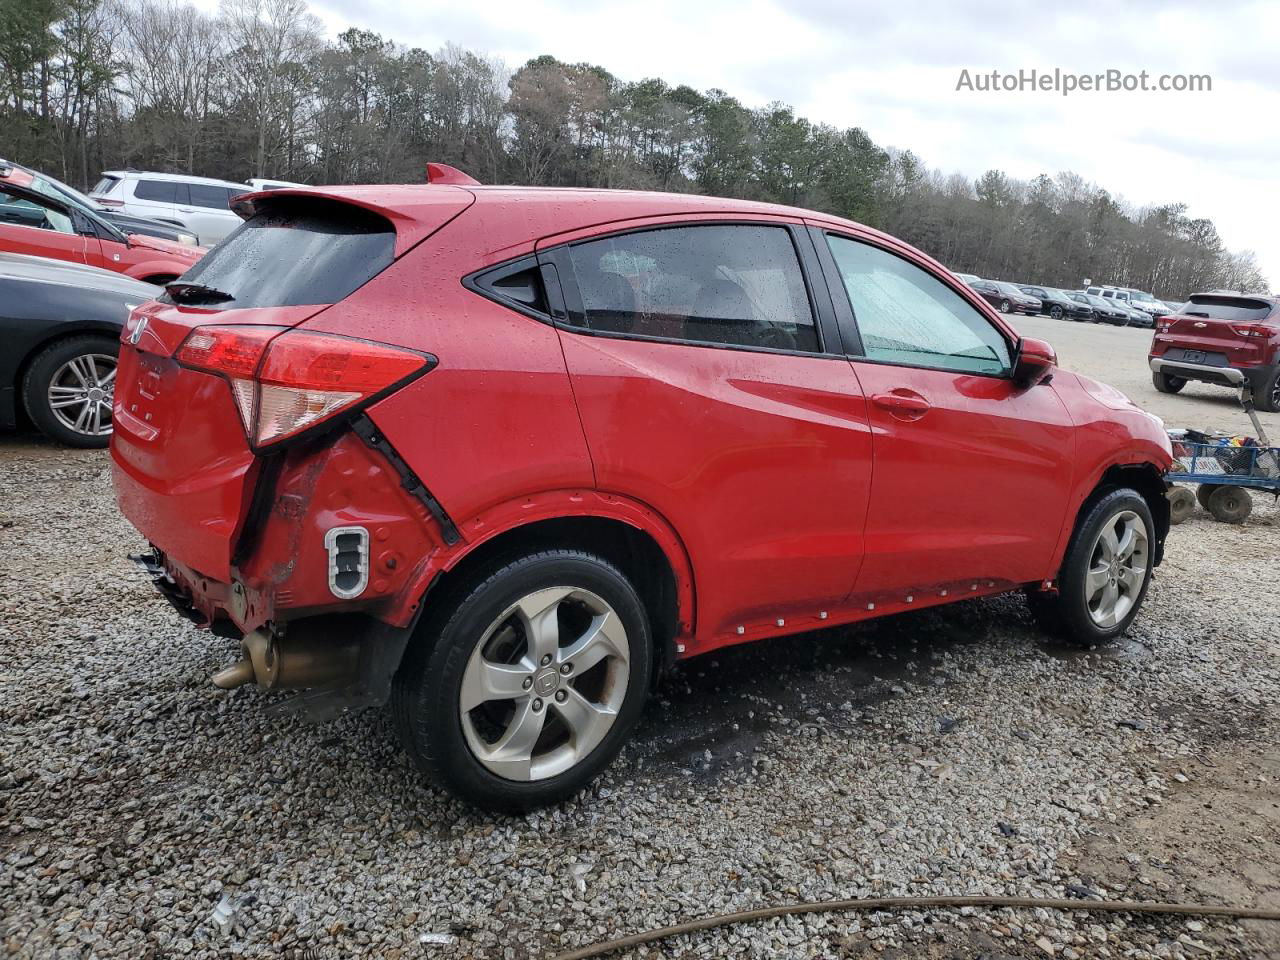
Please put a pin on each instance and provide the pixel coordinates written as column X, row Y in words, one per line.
column 943, row 752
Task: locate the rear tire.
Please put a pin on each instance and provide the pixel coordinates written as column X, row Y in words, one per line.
column 1167, row 384
column 69, row 387
column 1182, row 504
column 1105, row 573
column 493, row 704
column 1268, row 398
column 1230, row 504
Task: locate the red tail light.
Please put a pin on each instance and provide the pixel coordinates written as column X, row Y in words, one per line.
column 1252, row 330
column 287, row 381
column 104, row 202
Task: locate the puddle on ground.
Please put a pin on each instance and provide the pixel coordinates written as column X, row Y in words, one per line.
column 710, row 714
column 1122, row 649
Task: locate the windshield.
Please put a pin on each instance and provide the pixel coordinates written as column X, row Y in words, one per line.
column 295, row 251
column 62, row 194
column 1142, row 297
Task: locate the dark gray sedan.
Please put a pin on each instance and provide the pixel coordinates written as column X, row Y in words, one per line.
column 60, row 324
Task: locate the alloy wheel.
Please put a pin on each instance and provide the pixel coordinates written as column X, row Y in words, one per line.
column 544, row 684
column 1117, row 568
column 81, row 392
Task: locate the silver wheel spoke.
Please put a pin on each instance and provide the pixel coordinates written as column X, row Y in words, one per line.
column 1128, row 540
column 68, row 402
column 1109, row 541
column 109, row 378
column 485, row 681
column 82, row 418
column 539, row 613
column 1096, row 580
column 503, row 706
column 79, row 373
column 604, row 638
column 512, row 755
column 587, row 722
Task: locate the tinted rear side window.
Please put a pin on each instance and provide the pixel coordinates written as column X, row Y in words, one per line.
column 737, row 284
column 162, row 191
column 1227, row 308
column 306, row 251
column 105, row 185
column 207, row 195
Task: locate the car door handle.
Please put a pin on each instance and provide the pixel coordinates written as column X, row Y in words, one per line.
column 904, row 404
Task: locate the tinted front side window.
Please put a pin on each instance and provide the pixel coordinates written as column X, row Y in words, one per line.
column 908, row 316
column 206, row 195
column 162, row 191
column 301, row 252
column 728, row 284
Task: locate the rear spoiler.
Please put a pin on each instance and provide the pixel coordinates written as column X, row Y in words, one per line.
column 443, row 173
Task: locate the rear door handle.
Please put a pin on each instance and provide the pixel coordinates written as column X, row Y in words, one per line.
column 903, row 404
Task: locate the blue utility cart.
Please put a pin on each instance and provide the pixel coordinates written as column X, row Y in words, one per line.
column 1223, row 470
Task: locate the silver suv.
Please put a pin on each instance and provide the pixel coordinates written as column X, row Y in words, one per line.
column 1138, row 299
column 198, row 204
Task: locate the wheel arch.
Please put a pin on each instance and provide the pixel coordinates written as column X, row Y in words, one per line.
column 1148, row 481
column 640, row 543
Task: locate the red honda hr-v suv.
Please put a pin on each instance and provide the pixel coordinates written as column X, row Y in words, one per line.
column 498, row 455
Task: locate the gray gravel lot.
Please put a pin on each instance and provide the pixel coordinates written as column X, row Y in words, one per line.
column 948, row 751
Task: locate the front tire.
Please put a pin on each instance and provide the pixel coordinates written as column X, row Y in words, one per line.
column 1004, row 306
column 1167, row 384
column 1105, row 573
column 1056, row 312
column 524, row 687
column 69, row 387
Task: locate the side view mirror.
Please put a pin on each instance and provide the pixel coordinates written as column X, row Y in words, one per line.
column 1035, row 362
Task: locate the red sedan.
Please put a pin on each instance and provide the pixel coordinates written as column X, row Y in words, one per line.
column 39, row 225
column 499, row 455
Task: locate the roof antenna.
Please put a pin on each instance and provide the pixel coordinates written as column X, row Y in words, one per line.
column 443, row 173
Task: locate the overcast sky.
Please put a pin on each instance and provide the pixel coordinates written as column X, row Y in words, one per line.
column 892, row 68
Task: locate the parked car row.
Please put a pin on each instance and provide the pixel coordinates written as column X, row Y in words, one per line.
column 72, row 266
column 1120, row 306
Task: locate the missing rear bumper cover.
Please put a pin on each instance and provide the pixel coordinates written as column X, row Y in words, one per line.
column 364, row 429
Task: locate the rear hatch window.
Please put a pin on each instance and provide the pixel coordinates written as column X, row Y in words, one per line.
column 1244, row 309
column 104, row 186
column 294, row 251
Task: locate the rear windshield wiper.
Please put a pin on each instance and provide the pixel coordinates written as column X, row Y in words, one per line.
column 184, row 291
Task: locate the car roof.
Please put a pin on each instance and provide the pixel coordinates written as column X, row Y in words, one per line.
column 518, row 215
column 178, row 177
column 18, row 266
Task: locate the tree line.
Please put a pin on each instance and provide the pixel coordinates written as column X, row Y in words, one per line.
column 258, row 90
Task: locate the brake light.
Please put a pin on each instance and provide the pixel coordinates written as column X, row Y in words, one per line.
column 104, row 202
column 286, row 381
column 1164, row 325
column 1254, row 330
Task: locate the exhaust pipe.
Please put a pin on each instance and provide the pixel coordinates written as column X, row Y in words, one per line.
column 309, row 660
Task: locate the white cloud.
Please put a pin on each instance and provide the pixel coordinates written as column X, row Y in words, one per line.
column 892, row 69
